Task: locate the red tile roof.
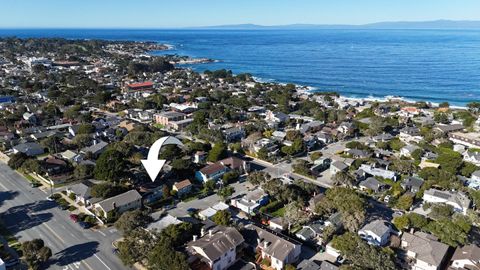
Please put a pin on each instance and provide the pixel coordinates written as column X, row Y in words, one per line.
column 140, row 85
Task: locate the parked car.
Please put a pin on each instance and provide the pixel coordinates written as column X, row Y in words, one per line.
column 50, row 199
column 74, row 217
column 35, row 184
column 84, row 225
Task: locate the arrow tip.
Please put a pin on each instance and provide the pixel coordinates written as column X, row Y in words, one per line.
column 153, row 167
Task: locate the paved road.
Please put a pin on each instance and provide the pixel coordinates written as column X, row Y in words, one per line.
column 28, row 215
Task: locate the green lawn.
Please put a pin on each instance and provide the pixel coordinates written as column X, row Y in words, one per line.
column 279, row 212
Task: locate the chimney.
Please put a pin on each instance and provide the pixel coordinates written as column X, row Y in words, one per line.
column 202, row 232
column 194, row 238
column 412, row 230
column 265, row 244
column 114, row 205
column 210, row 233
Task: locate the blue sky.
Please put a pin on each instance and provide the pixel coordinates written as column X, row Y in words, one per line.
column 184, row 13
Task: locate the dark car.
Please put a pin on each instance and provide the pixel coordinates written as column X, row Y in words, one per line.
column 62, row 207
column 84, row 225
column 12, row 262
column 35, row 184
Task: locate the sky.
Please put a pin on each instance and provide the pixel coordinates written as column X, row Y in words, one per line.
column 193, row 13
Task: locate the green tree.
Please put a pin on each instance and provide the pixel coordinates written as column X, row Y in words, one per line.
column 449, row 160
column 35, row 253
column 361, row 254
column 218, row 152
column 32, row 166
column 163, row 256
column 86, row 129
column 107, row 190
column 226, row 192
column 17, row 160
column 343, row 179
column 131, row 220
column 135, row 246
column 401, row 222
column 439, row 211
column 451, row 232
column 110, row 166
column 405, row 202
column 83, row 171
column 222, row 217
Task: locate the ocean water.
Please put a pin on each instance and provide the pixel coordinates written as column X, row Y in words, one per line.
column 430, row 65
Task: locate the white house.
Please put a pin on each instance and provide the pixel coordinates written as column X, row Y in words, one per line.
column 376, row 233
column 218, row 248
column 273, row 247
column 459, row 201
column 426, row 252
column 467, row 257
column 251, row 201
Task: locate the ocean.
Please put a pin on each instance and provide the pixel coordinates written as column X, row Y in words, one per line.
column 428, row 65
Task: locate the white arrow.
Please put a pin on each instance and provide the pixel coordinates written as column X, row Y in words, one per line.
column 152, row 164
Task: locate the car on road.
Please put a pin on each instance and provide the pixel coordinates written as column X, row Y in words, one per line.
column 74, row 217
column 35, row 184
column 50, row 199
column 84, row 225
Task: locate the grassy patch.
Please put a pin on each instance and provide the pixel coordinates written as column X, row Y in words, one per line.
column 279, row 212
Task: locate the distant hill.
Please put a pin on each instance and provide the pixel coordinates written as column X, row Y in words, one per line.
column 438, row 24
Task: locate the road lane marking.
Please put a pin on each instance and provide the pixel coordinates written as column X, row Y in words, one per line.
column 102, row 261
column 102, row 233
column 4, row 187
column 87, row 265
column 54, row 233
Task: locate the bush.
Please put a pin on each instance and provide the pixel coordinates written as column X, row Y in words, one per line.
column 72, row 208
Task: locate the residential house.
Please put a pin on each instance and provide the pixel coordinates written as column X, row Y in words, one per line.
column 338, row 166
column 412, row 184
column 234, row 134
column 346, row 128
column 276, row 117
column 83, row 194
column 30, row 149
column 472, row 157
column 164, row 118
column 449, row 128
column 211, row 211
column 273, row 247
column 459, row 201
column 474, row 181
column 335, row 220
column 217, row 249
column 182, row 188
column 163, row 223
column 216, row 170
column 71, row 156
column 424, row 250
column 96, row 149
column 410, row 134
column 121, row 203
column 379, row 172
column 376, row 233
column 371, row 183
column 408, row 150
column 277, row 224
column 311, row 232
column 252, row 201
column 467, row 257
column 471, row 139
